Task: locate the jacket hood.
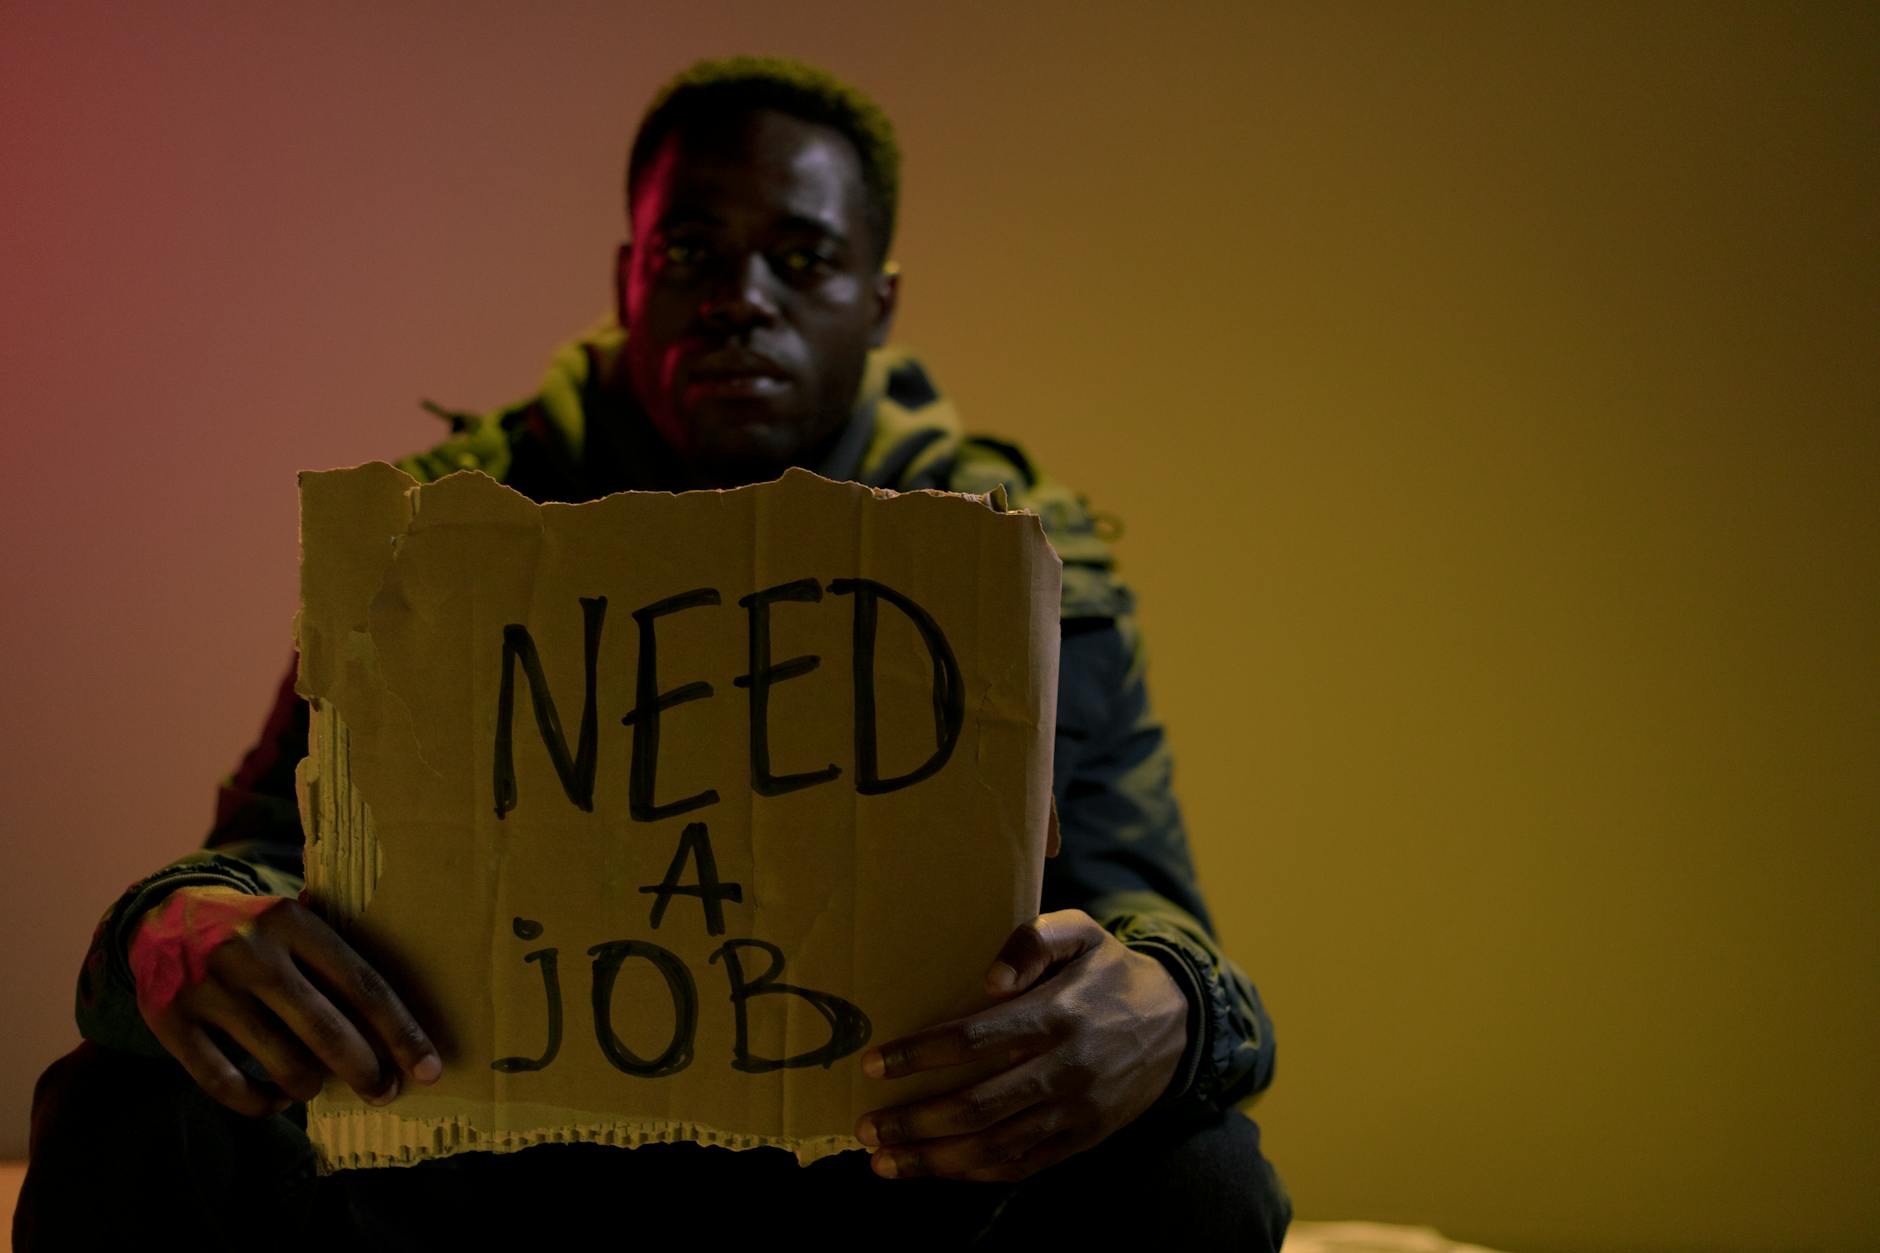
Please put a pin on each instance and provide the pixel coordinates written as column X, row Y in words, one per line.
column 907, row 436
column 909, row 431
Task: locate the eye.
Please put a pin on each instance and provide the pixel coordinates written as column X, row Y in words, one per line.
column 804, row 261
column 681, row 252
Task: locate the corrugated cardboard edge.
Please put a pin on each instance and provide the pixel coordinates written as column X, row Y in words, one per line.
column 342, row 857
column 359, row 1138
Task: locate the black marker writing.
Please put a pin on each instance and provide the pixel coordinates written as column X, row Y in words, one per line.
column 529, row 929
column 576, row 773
column 949, row 693
column 849, row 1027
column 696, row 841
column 650, row 702
column 763, row 674
column 678, row 1055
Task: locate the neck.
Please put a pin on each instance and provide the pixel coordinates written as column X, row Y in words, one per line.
column 623, row 440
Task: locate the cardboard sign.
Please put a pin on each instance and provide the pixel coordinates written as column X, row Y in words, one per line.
column 657, row 809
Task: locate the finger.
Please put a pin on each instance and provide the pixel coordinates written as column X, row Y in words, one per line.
column 1046, row 941
column 249, row 1025
column 1047, row 1152
column 974, row 1108
column 215, row 1074
column 1012, row 1032
column 332, row 1037
column 175, row 941
column 366, row 990
column 993, row 1149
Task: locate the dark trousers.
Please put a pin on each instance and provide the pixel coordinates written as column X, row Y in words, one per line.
column 125, row 1148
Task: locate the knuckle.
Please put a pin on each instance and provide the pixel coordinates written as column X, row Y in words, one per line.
column 1028, row 1091
column 1079, row 1067
column 259, row 934
column 974, row 1107
column 328, row 1028
column 976, row 1037
column 1009, row 1148
column 229, row 955
column 273, row 977
column 367, row 983
column 369, row 988
column 285, row 916
column 1048, row 1121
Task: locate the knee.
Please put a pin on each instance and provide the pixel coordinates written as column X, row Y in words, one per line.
column 91, row 1087
column 1191, row 1176
column 165, row 1147
column 1209, row 1165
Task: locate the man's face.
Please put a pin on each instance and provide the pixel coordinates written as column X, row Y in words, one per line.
column 750, row 294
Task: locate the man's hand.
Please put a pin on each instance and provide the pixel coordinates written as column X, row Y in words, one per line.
column 1091, row 1030
column 214, row 958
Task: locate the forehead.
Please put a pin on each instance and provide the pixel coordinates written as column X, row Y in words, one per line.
column 753, row 170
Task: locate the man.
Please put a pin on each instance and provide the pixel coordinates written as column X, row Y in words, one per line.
column 753, row 306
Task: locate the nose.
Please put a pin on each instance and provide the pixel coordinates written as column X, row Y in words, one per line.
column 742, row 295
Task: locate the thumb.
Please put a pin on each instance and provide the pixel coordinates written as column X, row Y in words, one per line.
column 1034, row 948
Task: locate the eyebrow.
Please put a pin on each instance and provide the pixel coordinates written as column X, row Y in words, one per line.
column 686, row 216
column 799, row 221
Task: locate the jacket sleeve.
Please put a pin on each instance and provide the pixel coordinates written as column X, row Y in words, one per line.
column 254, row 847
column 256, row 842
column 1125, row 856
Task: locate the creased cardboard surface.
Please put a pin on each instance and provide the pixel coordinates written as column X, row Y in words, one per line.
column 884, row 903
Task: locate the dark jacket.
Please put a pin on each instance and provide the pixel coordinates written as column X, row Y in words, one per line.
column 1125, row 856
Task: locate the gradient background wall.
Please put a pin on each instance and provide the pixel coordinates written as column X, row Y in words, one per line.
column 1488, row 392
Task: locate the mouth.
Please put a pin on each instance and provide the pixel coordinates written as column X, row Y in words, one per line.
column 735, row 372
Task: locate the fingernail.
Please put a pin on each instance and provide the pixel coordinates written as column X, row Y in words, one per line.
column 873, row 1066
column 428, row 1069
column 885, row 1165
column 386, row 1097
column 865, row 1132
column 1002, row 977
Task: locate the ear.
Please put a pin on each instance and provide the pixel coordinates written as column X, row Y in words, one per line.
column 623, row 262
column 887, row 287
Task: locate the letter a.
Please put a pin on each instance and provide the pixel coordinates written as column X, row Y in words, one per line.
column 711, row 893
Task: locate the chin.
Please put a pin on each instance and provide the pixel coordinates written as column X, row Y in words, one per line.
column 747, row 433
column 749, row 458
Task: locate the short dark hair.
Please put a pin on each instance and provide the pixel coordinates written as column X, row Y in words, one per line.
column 731, row 87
